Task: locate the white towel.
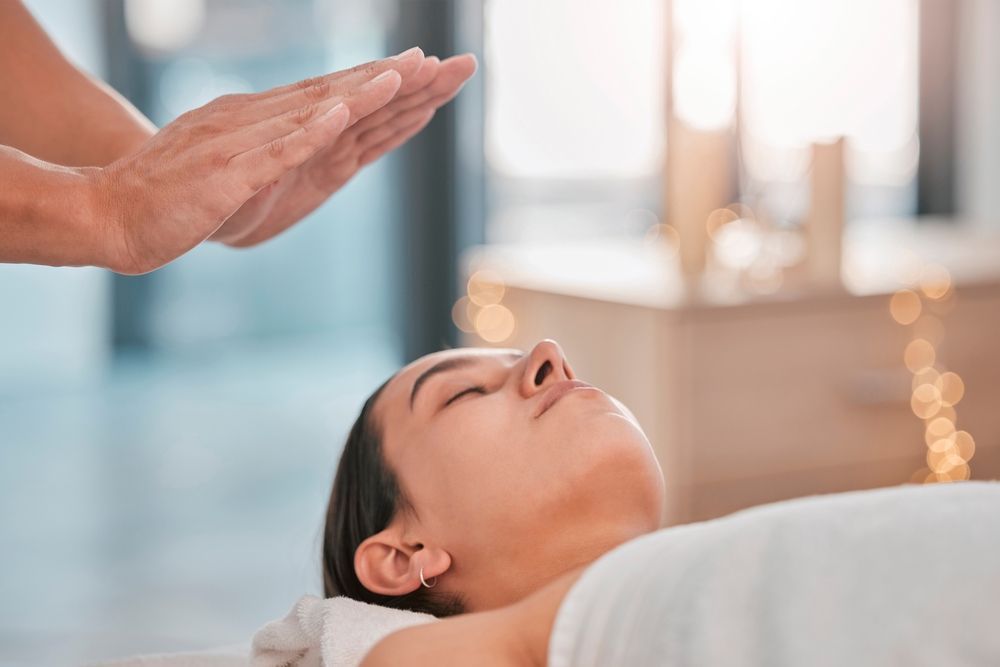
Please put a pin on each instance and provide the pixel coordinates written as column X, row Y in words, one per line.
column 905, row 576
column 336, row 632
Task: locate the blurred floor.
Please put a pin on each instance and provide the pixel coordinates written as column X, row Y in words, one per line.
column 176, row 506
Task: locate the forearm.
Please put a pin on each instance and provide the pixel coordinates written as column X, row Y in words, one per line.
column 51, row 109
column 47, row 213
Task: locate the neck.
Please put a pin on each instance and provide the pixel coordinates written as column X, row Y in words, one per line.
column 534, row 565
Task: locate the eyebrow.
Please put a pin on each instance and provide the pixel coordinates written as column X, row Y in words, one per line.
column 448, row 365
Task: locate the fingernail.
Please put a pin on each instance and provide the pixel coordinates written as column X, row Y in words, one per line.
column 335, row 110
column 407, row 53
column 384, row 75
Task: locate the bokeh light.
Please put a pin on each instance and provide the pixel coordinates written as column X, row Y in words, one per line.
column 738, row 244
column 665, row 235
column 486, row 288
column 935, row 391
column 718, row 219
column 948, row 412
column 919, row 354
column 460, row 315
column 935, row 281
column 164, row 25
column 965, row 446
column 925, row 401
column 939, row 428
column 495, row 323
column 929, row 375
column 952, row 388
column 905, row 306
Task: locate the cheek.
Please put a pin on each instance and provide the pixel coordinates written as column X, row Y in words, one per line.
column 463, row 466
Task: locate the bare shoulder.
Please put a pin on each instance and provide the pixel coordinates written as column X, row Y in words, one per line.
column 514, row 635
column 482, row 638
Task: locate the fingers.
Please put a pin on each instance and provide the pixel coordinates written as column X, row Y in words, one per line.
column 423, row 76
column 393, row 142
column 449, row 76
column 405, row 63
column 265, row 163
column 373, row 95
column 248, row 109
column 401, row 102
column 369, row 97
column 380, row 133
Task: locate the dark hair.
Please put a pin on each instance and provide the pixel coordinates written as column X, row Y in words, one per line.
column 366, row 496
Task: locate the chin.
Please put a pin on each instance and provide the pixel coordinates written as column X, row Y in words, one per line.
column 613, row 459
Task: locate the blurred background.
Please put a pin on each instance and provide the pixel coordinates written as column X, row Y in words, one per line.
column 768, row 226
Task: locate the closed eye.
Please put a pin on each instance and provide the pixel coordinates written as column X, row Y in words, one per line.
column 478, row 389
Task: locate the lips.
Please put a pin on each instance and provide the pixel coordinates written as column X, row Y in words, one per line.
column 557, row 391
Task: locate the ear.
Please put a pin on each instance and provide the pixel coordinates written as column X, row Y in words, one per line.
column 386, row 564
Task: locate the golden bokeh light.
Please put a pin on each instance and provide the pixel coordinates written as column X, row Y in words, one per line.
column 919, row 354
column 939, row 478
column 952, row 388
column 960, row 473
column 666, row 235
column 485, row 288
column 495, row 323
column 718, row 219
column 947, row 412
column 938, row 429
column 460, row 315
column 942, row 445
column 942, row 462
column 925, row 401
column 904, row 306
column 965, row 446
column 935, row 281
column 935, row 391
column 929, row 375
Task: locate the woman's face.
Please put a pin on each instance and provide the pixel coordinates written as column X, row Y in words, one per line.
column 516, row 470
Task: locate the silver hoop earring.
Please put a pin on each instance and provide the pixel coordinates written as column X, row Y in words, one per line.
column 424, row 581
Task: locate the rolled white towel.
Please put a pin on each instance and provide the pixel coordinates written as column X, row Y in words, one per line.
column 336, row 632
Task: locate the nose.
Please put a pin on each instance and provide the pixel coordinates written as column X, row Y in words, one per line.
column 545, row 364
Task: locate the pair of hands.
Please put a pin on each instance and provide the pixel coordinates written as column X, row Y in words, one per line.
column 244, row 168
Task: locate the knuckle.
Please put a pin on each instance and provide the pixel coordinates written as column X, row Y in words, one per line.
column 219, row 160
column 207, row 128
column 275, row 148
column 364, row 68
column 303, row 115
column 319, row 90
column 306, row 84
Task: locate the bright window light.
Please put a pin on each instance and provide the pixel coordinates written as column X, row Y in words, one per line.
column 574, row 90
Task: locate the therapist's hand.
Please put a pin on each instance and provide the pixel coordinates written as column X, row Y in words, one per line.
column 301, row 190
column 192, row 176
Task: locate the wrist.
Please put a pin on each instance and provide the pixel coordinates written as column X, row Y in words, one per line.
column 63, row 207
column 110, row 195
column 45, row 213
column 97, row 219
